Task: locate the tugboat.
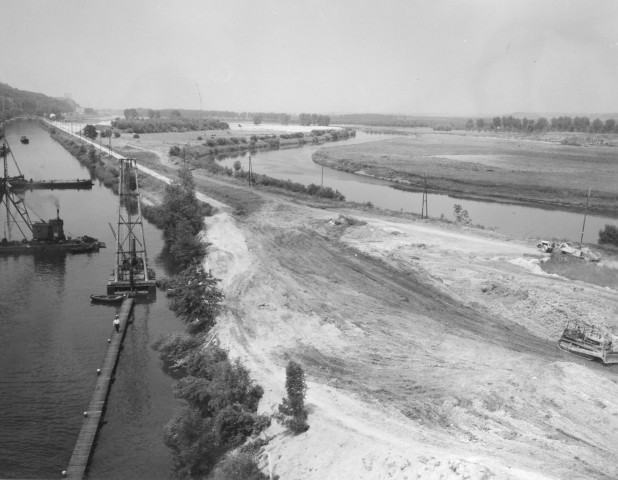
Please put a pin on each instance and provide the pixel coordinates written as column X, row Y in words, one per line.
column 25, row 140
column 588, row 342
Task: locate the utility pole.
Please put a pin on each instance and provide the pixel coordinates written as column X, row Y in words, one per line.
column 424, row 208
column 322, row 184
column 581, row 240
column 250, row 170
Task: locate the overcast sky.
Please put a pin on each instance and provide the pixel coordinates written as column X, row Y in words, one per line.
column 324, row 56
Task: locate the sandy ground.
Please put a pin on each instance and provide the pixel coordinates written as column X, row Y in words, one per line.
column 430, row 350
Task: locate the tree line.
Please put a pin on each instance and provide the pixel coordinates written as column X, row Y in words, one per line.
column 557, row 124
column 314, row 119
column 168, row 124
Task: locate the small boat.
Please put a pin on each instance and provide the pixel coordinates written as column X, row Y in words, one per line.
column 107, row 298
column 25, row 140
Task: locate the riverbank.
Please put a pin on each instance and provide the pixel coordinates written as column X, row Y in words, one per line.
column 511, row 170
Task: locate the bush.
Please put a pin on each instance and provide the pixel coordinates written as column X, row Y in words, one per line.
column 135, row 135
column 116, row 135
column 461, row 215
column 238, row 466
column 175, row 151
column 222, row 401
column 609, row 235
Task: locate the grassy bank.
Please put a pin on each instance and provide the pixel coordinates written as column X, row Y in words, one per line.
column 499, row 169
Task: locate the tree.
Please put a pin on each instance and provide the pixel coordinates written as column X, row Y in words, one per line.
column 470, row 124
column 175, row 114
column 130, row 113
column 541, row 124
column 257, row 118
column 597, row 125
column 285, row 119
column 90, row 132
column 150, row 113
column 480, row 124
column 294, row 404
column 496, row 122
column 609, row 126
column 609, row 235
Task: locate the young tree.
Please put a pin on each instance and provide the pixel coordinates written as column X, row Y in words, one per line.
column 90, row 132
column 294, row 404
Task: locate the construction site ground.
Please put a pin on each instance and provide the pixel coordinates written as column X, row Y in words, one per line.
column 430, row 348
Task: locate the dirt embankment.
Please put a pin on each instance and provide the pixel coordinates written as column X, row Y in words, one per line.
column 430, row 350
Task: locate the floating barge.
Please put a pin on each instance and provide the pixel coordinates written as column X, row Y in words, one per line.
column 588, row 342
column 19, row 184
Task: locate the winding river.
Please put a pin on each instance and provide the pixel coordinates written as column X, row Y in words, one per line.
column 520, row 221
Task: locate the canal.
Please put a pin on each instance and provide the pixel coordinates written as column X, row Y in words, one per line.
column 520, row 221
column 52, row 339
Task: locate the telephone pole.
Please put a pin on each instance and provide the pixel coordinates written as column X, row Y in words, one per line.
column 424, row 209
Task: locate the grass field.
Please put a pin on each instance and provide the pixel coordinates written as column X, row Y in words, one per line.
column 496, row 168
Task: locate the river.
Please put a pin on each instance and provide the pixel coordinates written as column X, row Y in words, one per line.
column 520, row 221
column 52, row 339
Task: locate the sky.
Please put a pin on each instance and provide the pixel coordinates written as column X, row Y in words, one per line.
column 451, row 57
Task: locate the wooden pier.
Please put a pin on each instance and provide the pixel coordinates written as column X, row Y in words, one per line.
column 92, row 416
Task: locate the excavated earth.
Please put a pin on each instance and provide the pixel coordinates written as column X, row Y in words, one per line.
column 430, row 349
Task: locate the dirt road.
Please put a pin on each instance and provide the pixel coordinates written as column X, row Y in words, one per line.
column 430, row 350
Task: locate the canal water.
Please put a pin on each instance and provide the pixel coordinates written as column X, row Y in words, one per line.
column 52, row 339
column 520, row 221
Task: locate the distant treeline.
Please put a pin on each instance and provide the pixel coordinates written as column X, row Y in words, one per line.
column 255, row 117
column 382, row 120
column 223, row 147
column 168, row 124
column 15, row 103
column 557, row 124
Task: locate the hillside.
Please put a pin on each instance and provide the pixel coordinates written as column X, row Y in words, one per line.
column 15, row 102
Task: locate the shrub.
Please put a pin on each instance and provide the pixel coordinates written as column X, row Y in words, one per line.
column 135, row 135
column 200, row 138
column 176, row 347
column 461, row 215
column 609, row 235
column 116, row 135
column 238, row 466
column 222, row 401
column 175, row 151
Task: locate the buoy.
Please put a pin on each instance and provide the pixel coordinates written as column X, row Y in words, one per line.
column 85, row 414
column 64, row 473
column 98, row 371
column 109, row 340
